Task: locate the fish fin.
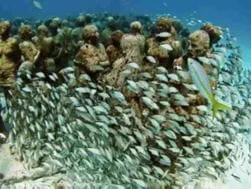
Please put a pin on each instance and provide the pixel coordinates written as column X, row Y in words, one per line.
column 219, row 106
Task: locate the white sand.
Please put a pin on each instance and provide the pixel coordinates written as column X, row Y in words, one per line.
column 11, row 167
column 8, row 165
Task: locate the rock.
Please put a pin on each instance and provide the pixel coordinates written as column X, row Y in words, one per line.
column 226, row 78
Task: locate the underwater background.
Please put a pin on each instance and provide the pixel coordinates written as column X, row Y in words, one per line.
column 234, row 14
column 149, row 94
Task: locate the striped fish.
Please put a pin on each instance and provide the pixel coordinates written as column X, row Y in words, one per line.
column 201, row 81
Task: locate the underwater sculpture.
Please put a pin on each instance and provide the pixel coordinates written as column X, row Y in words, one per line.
column 164, row 46
column 29, row 51
column 45, row 44
column 9, row 56
column 54, row 25
column 114, row 50
column 133, row 43
column 150, row 128
column 25, row 32
column 129, row 48
column 92, row 57
column 199, row 44
column 9, row 61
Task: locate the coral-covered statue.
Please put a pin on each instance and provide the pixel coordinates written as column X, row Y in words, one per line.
column 199, row 44
column 9, row 56
column 165, row 36
column 92, row 57
column 133, row 43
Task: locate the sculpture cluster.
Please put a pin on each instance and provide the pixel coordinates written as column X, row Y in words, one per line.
column 99, row 46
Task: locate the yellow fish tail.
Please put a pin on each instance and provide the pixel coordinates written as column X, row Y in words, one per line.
column 219, row 106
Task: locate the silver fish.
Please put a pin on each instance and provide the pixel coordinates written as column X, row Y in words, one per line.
column 37, row 4
column 132, row 65
column 151, row 59
column 167, row 47
column 119, row 97
column 164, row 35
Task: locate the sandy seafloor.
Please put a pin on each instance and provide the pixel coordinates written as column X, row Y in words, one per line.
column 242, row 170
column 10, row 167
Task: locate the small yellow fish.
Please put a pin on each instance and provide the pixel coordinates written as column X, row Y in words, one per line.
column 37, row 4
column 201, row 81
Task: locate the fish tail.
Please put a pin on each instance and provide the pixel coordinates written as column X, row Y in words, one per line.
column 219, row 106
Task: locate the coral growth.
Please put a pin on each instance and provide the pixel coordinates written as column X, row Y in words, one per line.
column 29, row 51
column 214, row 32
column 4, row 29
column 9, row 56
